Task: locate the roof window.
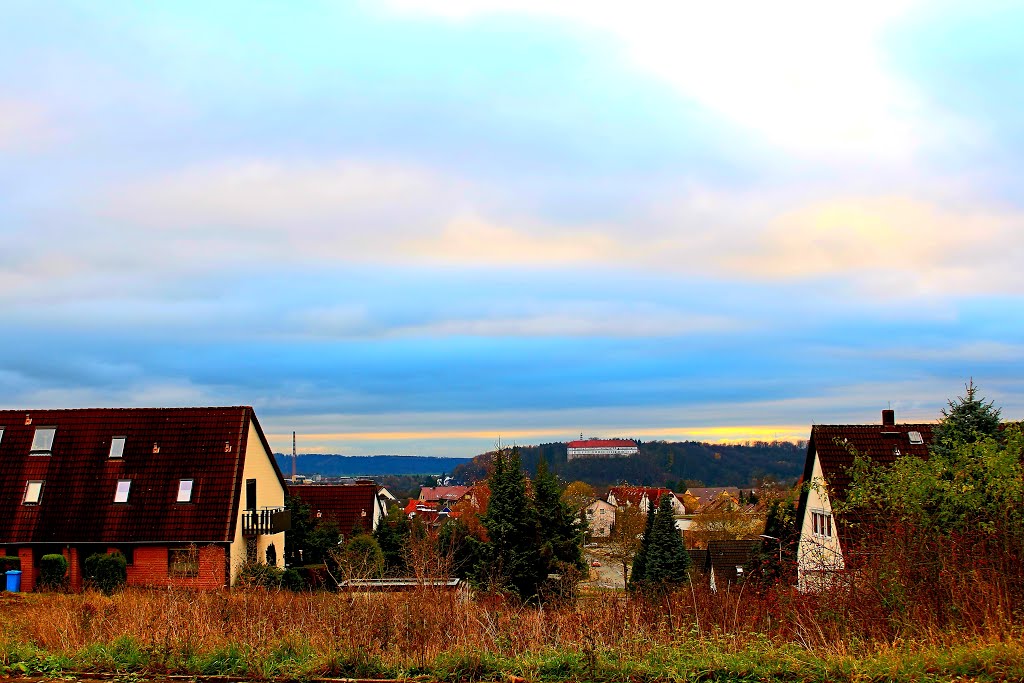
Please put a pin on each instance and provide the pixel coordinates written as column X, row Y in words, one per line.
column 33, row 492
column 1, row 433
column 42, row 442
column 915, row 438
column 124, row 486
column 185, row 491
column 117, row 447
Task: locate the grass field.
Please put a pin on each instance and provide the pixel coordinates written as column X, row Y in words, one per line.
column 438, row 636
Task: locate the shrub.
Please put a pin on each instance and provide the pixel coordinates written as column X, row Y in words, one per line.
column 293, row 581
column 106, row 571
column 259, row 574
column 53, row 571
column 8, row 562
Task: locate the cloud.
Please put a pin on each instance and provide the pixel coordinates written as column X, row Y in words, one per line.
column 894, row 245
column 24, row 126
column 809, row 78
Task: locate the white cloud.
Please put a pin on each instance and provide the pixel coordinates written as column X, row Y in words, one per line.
column 807, row 77
column 23, row 126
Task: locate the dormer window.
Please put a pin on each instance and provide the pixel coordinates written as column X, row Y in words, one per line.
column 33, row 492
column 124, row 486
column 42, row 442
column 117, row 447
column 185, row 491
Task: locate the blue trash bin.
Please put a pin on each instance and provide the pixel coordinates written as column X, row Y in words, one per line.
column 14, row 580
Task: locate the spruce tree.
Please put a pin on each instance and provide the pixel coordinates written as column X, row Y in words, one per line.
column 392, row 536
column 667, row 560
column 638, row 574
column 965, row 421
column 510, row 557
column 561, row 529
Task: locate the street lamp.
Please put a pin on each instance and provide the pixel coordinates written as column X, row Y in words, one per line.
column 777, row 540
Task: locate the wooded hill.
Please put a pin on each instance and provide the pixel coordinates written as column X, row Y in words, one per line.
column 661, row 463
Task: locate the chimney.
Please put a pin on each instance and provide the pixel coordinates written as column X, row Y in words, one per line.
column 888, row 418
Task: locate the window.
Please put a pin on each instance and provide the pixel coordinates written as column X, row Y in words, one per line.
column 117, row 447
column 185, row 491
column 250, row 494
column 42, row 442
column 1, row 433
column 183, row 563
column 124, row 486
column 822, row 522
column 33, row 492
column 915, row 438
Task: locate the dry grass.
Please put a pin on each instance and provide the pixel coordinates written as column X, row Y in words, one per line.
column 768, row 635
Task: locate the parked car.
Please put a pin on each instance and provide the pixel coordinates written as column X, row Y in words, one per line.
column 595, row 563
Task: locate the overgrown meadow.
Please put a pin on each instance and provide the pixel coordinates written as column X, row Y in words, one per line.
column 691, row 634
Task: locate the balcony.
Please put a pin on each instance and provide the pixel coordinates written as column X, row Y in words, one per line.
column 266, row 521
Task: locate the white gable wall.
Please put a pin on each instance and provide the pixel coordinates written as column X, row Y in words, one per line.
column 818, row 553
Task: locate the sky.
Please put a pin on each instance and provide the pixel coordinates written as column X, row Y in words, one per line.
column 423, row 226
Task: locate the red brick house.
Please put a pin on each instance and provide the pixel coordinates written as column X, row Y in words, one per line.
column 188, row 495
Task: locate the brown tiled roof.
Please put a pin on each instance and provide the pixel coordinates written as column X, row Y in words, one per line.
column 207, row 445
column 706, row 495
column 838, row 445
column 348, row 505
column 725, row 556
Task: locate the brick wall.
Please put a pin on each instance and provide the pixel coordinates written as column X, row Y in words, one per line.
column 150, row 568
column 28, row 569
column 74, row 568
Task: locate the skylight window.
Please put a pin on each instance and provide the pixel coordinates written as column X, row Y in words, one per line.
column 915, row 438
column 42, row 442
column 33, row 492
column 1, row 433
column 117, row 447
column 123, row 487
column 185, row 491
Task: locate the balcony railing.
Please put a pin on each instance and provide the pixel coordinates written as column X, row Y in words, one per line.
column 266, row 521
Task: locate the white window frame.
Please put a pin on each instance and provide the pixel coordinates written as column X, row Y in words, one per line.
column 121, row 495
column 38, row 491
column 821, row 523
column 1, row 434
column 37, row 447
column 117, row 453
column 188, row 492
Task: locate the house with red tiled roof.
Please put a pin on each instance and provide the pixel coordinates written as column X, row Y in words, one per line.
column 646, row 497
column 830, row 454
column 353, row 507
column 442, row 496
column 188, row 495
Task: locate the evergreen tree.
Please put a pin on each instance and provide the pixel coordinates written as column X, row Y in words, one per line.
column 965, row 421
column 392, row 535
column 667, row 560
column 510, row 558
column 639, row 572
column 561, row 529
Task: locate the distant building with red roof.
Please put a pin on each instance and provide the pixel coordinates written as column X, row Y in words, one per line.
column 601, row 448
column 645, row 497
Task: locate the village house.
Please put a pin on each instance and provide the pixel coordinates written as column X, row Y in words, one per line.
column 359, row 506
column 600, row 516
column 830, row 453
column 647, row 498
column 187, row 495
column 727, row 562
column 441, row 497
